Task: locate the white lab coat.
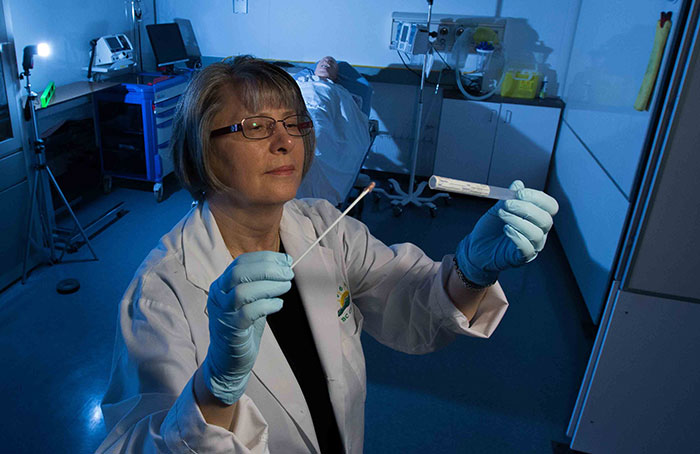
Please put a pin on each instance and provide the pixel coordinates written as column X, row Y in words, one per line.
column 397, row 295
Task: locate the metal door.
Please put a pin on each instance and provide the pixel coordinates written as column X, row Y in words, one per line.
column 14, row 185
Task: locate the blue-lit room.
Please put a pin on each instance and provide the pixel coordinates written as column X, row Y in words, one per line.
column 406, row 226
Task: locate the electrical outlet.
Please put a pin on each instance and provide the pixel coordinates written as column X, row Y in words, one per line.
column 240, row 6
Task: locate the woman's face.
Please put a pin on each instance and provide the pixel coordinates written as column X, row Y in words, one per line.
column 257, row 172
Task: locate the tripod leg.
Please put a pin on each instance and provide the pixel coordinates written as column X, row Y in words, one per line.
column 70, row 210
column 29, row 228
column 46, row 213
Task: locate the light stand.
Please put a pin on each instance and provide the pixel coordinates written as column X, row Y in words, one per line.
column 401, row 198
column 42, row 177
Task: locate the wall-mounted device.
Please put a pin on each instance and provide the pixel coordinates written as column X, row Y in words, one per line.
column 411, row 38
column 472, row 45
column 444, row 29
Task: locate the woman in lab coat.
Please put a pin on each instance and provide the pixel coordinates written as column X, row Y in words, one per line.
column 221, row 347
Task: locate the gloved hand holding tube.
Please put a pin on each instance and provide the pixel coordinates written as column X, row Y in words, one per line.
column 239, row 300
column 510, row 234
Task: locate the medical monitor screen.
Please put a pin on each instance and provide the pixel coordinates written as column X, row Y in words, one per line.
column 167, row 44
column 113, row 44
column 404, row 34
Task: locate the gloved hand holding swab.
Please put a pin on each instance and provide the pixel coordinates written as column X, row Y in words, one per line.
column 365, row 191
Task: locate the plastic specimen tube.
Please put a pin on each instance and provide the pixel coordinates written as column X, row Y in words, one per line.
column 468, row 188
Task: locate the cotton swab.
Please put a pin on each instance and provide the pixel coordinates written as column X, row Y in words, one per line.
column 366, row 191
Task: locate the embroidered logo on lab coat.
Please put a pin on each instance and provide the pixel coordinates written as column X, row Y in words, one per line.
column 343, row 299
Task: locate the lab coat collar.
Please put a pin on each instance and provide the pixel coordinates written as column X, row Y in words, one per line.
column 204, row 252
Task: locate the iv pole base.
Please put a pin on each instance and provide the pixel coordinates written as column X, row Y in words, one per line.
column 402, row 198
column 412, row 196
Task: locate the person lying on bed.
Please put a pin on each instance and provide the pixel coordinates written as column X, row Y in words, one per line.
column 342, row 134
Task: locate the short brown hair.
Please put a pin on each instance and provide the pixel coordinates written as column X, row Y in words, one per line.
column 259, row 85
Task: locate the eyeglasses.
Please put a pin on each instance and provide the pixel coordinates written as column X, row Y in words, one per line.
column 262, row 127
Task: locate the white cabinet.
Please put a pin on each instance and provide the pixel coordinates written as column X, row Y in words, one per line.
column 465, row 140
column 496, row 143
column 591, row 218
column 523, row 146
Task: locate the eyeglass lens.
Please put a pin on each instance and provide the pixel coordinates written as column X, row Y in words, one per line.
column 262, row 127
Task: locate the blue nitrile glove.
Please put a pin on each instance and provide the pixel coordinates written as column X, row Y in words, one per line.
column 510, row 234
column 239, row 301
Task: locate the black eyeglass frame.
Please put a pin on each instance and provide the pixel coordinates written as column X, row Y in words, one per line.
column 238, row 127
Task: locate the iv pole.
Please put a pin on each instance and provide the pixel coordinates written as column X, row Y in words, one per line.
column 134, row 14
column 401, row 198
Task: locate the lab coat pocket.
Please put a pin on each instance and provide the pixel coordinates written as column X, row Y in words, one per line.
column 359, row 320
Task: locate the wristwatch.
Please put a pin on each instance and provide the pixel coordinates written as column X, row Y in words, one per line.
column 467, row 283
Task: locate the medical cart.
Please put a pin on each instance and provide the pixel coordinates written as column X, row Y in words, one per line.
column 134, row 123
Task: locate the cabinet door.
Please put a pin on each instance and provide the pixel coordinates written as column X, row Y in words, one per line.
column 14, row 204
column 590, row 220
column 10, row 133
column 14, row 185
column 465, row 140
column 523, row 145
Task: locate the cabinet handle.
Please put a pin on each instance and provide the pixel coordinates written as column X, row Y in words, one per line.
column 491, row 114
column 509, row 116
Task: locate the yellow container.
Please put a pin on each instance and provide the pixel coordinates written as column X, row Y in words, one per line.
column 520, row 84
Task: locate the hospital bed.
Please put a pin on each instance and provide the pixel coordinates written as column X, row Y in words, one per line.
column 344, row 134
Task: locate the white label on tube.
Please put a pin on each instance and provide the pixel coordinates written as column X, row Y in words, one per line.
column 463, row 187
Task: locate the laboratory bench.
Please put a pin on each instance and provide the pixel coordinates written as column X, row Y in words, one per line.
column 497, row 140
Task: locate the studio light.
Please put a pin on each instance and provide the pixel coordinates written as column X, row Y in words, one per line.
column 41, row 49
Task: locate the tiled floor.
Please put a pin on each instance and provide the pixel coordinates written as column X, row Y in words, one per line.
column 512, row 393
